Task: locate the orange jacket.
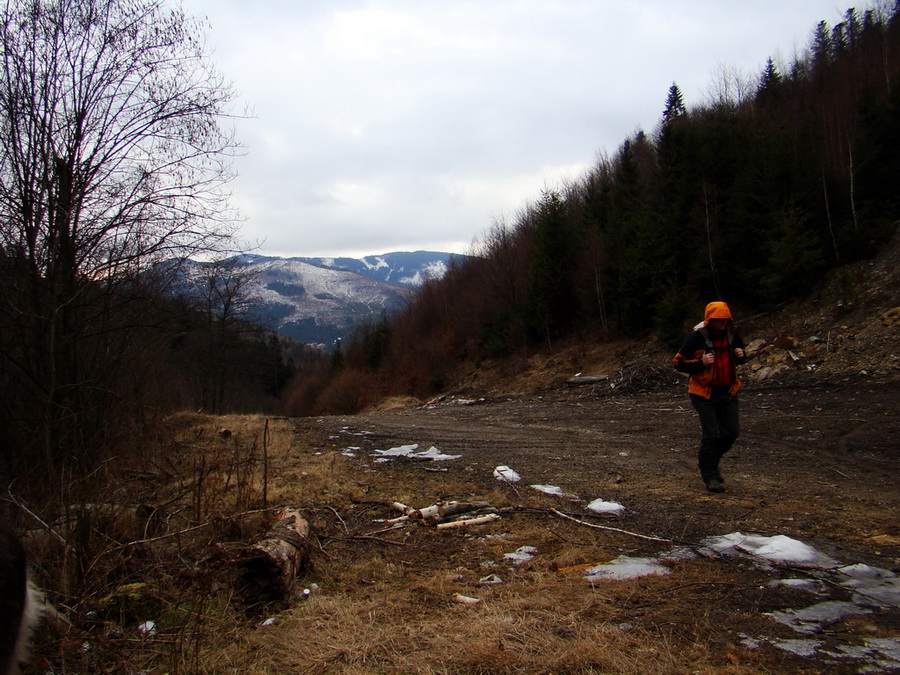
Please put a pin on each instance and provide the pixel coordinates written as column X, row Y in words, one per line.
column 689, row 358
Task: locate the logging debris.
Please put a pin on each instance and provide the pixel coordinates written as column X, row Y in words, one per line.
column 443, row 515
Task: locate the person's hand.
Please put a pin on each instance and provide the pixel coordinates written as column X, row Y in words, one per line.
column 709, row 358
column 738, row 352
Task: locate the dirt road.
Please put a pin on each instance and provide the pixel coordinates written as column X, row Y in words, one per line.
column 817, row 461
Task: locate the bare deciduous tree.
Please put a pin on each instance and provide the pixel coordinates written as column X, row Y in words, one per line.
column 225, row 296
column 729, row 88
column 112, row 156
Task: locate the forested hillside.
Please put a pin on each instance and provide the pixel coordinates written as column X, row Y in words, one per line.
column 750, row 198
column 114, row 155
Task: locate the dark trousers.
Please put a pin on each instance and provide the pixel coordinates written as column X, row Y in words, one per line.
column 718, row 430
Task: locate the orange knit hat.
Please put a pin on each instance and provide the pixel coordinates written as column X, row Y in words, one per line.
column 716, row 310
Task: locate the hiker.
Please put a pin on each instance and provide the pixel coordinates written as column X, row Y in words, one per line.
column 709, row 355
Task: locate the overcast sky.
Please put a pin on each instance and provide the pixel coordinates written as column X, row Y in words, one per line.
column 390, row 125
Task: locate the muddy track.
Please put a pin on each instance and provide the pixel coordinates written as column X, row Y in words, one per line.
column 816, row 461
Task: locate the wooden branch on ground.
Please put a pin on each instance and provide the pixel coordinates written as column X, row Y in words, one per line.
column 610, row 529
column 466, row 522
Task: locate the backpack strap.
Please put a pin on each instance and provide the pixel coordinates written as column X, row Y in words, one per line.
column 705, row 335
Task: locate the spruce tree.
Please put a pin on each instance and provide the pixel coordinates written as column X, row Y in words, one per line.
column 674, row 105
column 770, row 79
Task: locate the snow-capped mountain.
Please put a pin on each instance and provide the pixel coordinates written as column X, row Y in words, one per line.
column 319, row 300
column 406, row 268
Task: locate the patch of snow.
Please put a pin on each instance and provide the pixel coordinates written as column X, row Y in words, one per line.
column 786, row 550
column 373, row 262
column 490, row 580
column 549, row 489
column 800, row 647
column 506, row 474
column 435, row 269
column 399, row 451
column 749, row 641
column 778, row 549
column 626, row 567
column 436, row 455
column 600, row 506
column 432, row 453
column 521, row 555
column 887, row 647
column 815, row 617
column 415, row 280
column 872, row 585
column 147, row 628
column 680, row 553
column 883, row 654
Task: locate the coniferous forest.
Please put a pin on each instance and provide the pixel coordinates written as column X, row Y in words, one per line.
column 750, row 197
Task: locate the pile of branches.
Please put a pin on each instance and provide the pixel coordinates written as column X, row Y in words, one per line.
column 639, row 377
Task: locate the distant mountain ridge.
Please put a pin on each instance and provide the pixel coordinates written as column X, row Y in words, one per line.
column 319, row 300
column 406, row 268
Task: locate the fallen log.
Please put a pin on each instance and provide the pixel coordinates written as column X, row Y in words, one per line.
column 581, row 380
column 268, row 568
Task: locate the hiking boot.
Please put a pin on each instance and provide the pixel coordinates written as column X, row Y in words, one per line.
column 715, row 484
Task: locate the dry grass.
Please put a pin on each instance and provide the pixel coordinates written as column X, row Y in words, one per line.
column 386, row 599
column 404, row 621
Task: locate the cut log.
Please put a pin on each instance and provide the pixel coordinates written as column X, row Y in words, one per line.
column 402, row 508
column 268, row 568
column 466, row 522
column 438, row 512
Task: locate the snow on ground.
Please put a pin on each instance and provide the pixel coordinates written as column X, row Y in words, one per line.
column 550, row 490
column 778, row 550
column 600, row 506
column 409, row 451
column 872, row 588
column 505, row 474
column 521, row 555
column 810, row 620
column 626, row 567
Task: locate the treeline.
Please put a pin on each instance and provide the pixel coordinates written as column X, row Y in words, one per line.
column 750, row 198
column 74, row 395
